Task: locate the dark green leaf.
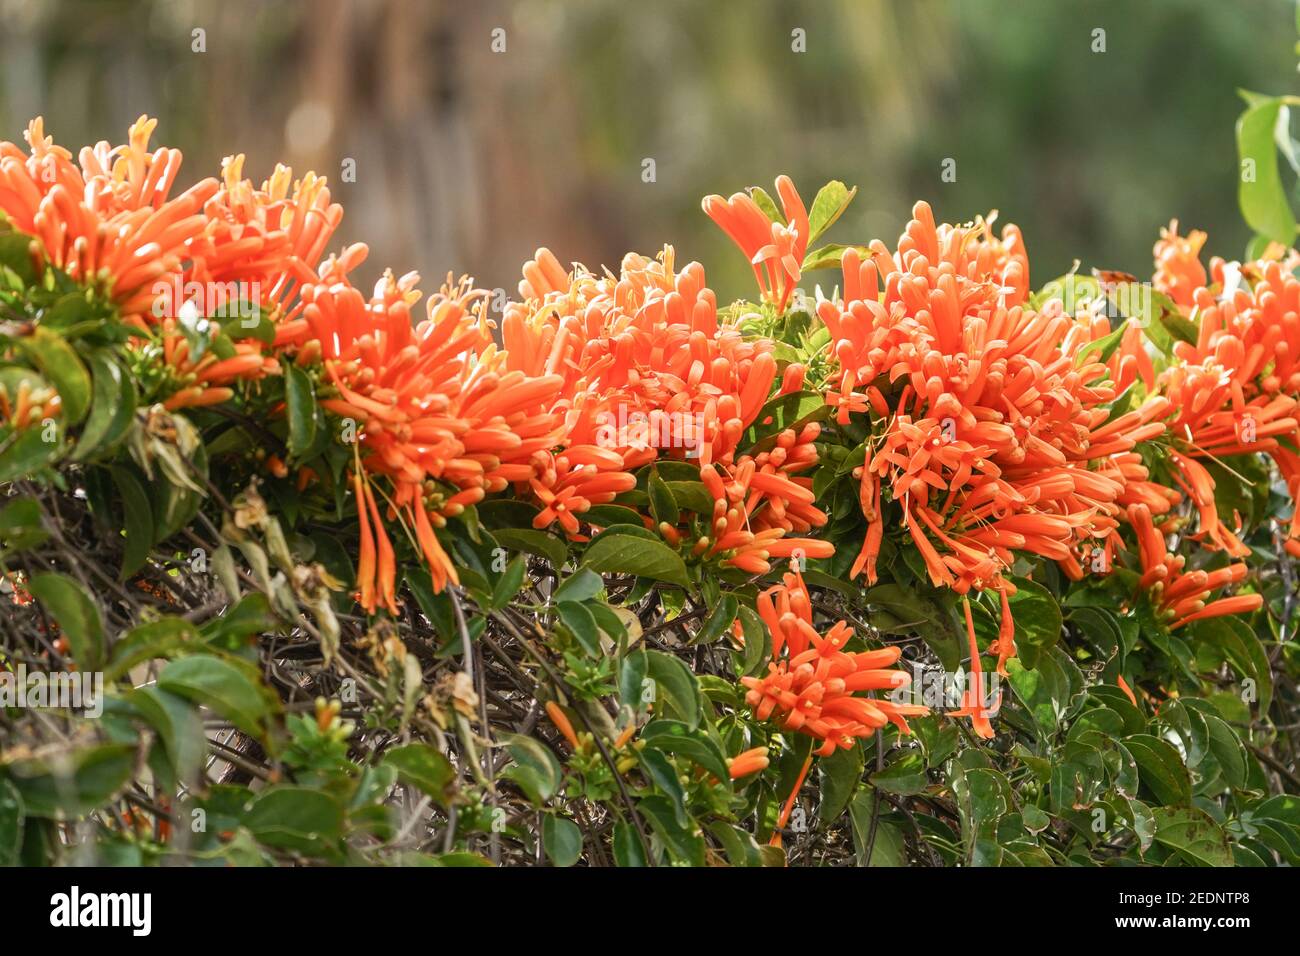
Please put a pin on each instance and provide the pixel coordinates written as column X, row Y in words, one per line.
column 562, row 839
column 423, row 767
column 619, row 552
column 77, row 615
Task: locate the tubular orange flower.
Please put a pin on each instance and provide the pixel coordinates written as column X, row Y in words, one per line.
column 1236, row 389
column 267, row 242
column 784, row 816
column 754, row 505
column 747, row 762
column 775, row 250
column 561, row 721
column 974, row 704
column 1128, row 691
column 811, row 681
column 1179, row 272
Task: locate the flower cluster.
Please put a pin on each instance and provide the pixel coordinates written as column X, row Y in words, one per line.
column 1235, row 389
column 989, row 426
column 811, row 683
column 1179, row 595
column 107, row 222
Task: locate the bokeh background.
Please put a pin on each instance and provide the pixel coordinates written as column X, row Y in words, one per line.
column 467, row 159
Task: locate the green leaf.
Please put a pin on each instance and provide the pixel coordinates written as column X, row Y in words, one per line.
column 984, row 798
column 300, row 399
column 582, row 585
column 241, row 319
column 827, row 206
column 535, row 770
column 178, row 724
column 675, row 685
column 738, row 843
column 1045, row 691
column 691, row 495
column 628, row 850
column 607, row 516
column 1227, row 749
column 1192, row 834
column 662, row 503
column 785, row 411
column 718, row 622
column 111, row 408
column 631, row 680
column 1260, row 192
column 1102, row 348
column 138, row 520
column 886, row 843
column 510, row 583
column 923, row 615
column 11, row 823
column 663, row 774
column 765, row 202
column 59, row 363
column 684, row 844
column 678, row 738
column 424, row 768
column 77, row 615
column 839, row 774
column 24, row 454
column 148, row 641
column 619, row 552
column 830, row 256
column 1161, row 768
column 581, row 624
column 252, row 615
column 562, row 840
column 295, row 818
column 16, row 252
column 74, row 783
column 1238, row 643
column 531, row 541
column 905, row 774
column 221, row 685
column 758, row 642
column 22, row 525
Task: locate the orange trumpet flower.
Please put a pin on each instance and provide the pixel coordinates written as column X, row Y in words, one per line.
column 775, row 249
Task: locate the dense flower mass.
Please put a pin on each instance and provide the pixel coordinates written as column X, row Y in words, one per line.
column 650, row 372
column 1236, row 386
column 990, row 431
column 439, row 417
column 107, row 222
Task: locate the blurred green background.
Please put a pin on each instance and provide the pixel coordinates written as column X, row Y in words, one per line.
column 467, row 159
